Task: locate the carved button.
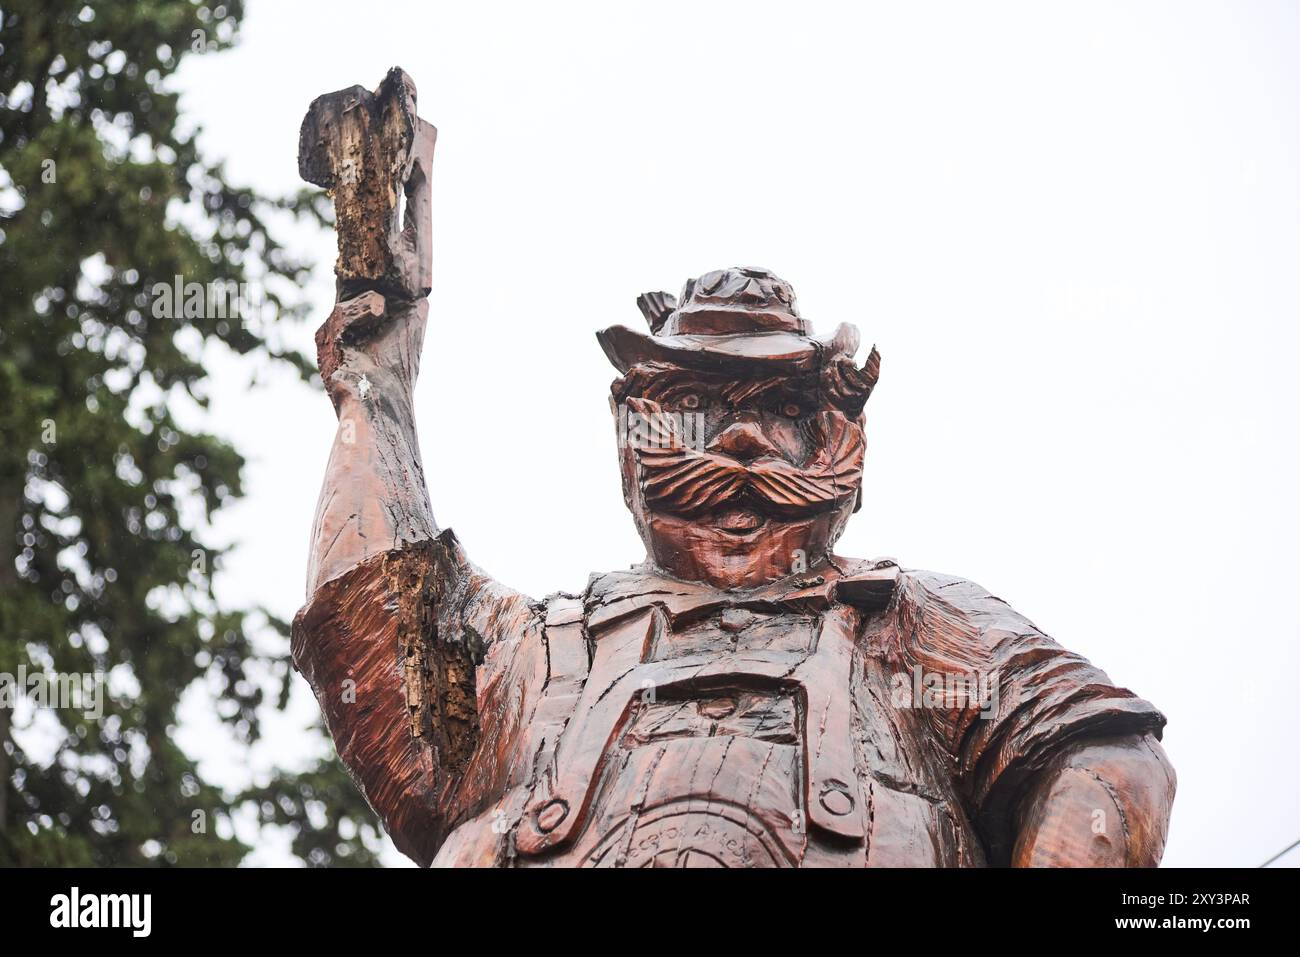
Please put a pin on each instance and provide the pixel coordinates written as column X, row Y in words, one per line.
column 717, row 708
column 551, row 814
column 836, row 799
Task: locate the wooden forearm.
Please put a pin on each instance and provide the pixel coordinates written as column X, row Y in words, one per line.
column 373, row 498
column 1099, row 804
column 371, row 151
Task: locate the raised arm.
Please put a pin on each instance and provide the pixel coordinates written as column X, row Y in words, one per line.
column 397, row 620
column 373, row 153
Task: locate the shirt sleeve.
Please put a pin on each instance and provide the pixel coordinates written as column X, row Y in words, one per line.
column 1001, row 696
column 394, row 650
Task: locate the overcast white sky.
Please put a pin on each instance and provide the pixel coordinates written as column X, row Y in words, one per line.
column 1072, row 230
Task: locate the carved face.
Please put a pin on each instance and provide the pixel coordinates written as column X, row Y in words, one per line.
column 735, row 481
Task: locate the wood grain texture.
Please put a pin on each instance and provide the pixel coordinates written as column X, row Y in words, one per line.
column 742, row 698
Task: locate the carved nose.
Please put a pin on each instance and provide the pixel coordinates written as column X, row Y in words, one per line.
column 744, row 441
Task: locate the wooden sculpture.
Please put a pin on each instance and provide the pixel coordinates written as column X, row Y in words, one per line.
column 743, row 698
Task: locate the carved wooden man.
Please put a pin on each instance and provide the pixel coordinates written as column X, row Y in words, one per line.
column 743, row 698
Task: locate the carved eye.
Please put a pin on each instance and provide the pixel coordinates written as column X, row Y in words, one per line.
column 690, row 401
column 791, row 410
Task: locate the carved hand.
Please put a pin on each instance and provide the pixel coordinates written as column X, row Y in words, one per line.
column 370, row 347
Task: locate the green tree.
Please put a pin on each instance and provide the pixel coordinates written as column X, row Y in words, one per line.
column 104, row 497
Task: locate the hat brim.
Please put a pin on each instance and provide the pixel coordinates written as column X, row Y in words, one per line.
column 770, row 352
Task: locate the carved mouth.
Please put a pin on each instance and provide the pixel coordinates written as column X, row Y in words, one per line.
column 738, row 521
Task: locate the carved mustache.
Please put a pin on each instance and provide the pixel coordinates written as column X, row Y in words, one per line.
column 689, row 481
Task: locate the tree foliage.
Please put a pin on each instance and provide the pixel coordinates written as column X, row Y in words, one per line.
column 105, row 497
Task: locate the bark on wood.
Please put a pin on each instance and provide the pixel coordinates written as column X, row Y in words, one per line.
column 372, row 152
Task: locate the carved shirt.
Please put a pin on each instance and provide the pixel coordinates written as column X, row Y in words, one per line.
column 857, row 715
